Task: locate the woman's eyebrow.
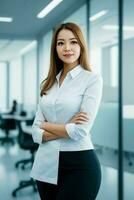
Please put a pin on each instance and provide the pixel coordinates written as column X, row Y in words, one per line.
column 64, row 39
column 72, row 39
column 60, row 39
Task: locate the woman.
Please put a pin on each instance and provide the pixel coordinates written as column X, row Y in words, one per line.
column 66, row 166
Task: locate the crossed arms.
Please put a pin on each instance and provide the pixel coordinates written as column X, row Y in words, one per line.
column 78, row 126
column 55, row 131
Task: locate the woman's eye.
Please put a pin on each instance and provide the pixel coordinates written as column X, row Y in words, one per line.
column 60, row 43
column 74, row 42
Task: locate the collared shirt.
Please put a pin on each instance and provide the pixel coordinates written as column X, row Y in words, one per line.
column 81, row 90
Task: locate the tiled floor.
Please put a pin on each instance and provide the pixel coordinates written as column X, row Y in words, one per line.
column 10, row 176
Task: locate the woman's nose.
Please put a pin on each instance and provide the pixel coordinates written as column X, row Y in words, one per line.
column 67, row 46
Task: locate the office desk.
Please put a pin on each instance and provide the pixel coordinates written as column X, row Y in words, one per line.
column 16, row 117
column 9, row 123
column 26, row 129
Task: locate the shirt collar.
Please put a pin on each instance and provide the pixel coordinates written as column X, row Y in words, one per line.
column 72, row 73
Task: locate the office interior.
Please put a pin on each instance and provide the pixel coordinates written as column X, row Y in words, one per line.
column 25, row 42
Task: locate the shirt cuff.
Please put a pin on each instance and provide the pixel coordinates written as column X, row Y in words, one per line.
column 70, row 128
column 37, row 135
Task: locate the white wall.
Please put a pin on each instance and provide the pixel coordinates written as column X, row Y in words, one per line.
column 3, row 86
column 128, row 68
column 111, row 93
column 15, row 80
column 44, row 56
column 30, row 80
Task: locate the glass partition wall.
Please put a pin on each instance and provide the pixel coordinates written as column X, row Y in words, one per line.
column 103, row 53
column 128, row 98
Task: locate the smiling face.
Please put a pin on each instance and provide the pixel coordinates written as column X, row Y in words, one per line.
column 67, row 47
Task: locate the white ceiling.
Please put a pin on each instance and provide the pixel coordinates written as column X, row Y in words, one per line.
column 26, row 26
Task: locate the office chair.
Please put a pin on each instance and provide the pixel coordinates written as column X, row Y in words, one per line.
column 7, row 125
column 128, row 156
column 25, row 142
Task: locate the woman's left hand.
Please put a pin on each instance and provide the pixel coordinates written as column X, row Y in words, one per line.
column 79, row 118
column 43, row 125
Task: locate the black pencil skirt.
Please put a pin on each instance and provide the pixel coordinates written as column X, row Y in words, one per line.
column 79, row 177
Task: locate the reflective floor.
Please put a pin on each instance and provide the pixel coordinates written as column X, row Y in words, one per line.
column 10, row 176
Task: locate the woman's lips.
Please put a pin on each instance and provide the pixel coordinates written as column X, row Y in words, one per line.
column 67, row 55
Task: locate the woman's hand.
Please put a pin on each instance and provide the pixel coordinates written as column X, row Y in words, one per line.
column 43, row 125
column 79, row 118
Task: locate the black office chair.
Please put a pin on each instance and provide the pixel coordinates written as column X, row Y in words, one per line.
column 7, row 125
column 129, row 156
column 25, row 142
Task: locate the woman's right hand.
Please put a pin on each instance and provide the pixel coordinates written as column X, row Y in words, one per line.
column 79, row 118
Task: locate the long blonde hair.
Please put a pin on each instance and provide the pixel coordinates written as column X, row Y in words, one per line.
column 56, row 64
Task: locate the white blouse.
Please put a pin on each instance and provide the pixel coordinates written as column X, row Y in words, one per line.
column 81, row 90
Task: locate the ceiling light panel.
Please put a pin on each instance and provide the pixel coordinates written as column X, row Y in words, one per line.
column 98, row 15
column 49, row 8
column 6, row 19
